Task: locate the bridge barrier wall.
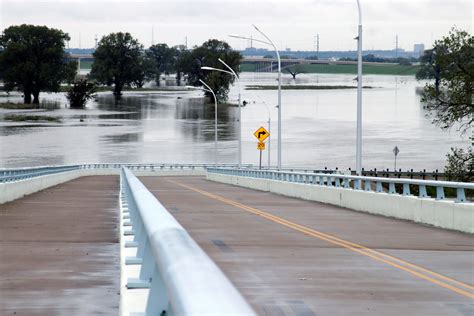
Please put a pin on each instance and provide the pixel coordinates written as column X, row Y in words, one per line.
column 182, row 279
column 10, row 191
column 440, row 213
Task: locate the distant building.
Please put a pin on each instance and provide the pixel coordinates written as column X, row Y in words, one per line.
column 419, row 49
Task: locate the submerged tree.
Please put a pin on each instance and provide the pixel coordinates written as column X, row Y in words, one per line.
column 81, row 92
column 118, row 61
column 33, row 60
column 208, row 54
column 295, row 70
column 142, row 71
column 162, row 60
column 180, row 52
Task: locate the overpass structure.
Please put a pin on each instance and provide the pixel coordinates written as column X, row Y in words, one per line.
column 80, row 58
column 176, row 239
column 266, row 64
column 271, row 64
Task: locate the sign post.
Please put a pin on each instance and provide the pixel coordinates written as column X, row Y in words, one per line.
column 260, row 147
column 261, row 134
column 395, row 152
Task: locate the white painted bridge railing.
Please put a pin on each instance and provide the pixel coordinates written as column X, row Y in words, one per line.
column 355, row 182
column 17, row 174
column 181, row 277
column 8, row 175
column 373, row 184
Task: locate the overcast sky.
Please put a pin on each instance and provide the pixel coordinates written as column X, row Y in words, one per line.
column 290, row 23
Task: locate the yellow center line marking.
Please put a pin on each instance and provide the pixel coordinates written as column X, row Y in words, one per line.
column 374, row 254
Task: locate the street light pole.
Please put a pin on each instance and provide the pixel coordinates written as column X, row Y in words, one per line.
column 270, row 42
column 240, row 110
column 359, row 95
column 279, row 163
column 215, row 116
column 232, row 72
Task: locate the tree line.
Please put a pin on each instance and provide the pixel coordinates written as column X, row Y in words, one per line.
column 407, row 61
column 33, row 60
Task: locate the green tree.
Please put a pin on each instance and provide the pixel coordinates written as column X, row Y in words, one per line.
column 182, row 63
column 207, row 55
column 163, row 58
column 142, row 71
column 179, row 51
column 81, row 92
column 33, row 60
column 451, row 64
column 118, row 61
column 429, row 69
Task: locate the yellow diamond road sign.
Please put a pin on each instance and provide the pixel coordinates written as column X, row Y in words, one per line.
column 261, row 134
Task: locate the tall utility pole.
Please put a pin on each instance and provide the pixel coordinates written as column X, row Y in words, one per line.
column 95, row 41
column 152, row 36
column 396, row 46
column 317, row 43
column 186, row 42
column 79, row 39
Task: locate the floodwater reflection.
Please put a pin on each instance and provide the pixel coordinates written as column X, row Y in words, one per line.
column 318, row 127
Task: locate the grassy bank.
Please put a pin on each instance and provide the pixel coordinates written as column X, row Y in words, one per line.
column 18, row 106
column 31, row 118
column 111, row 89
column 302, row 87
column 388, row 69
column 349, row 69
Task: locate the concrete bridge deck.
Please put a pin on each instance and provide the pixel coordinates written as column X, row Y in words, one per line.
column 59, row 253
column 284, row 257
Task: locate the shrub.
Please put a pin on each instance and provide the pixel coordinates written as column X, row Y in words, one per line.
column 460, row 165
column 81, row 92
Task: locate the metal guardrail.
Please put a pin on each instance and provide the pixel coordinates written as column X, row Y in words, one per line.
column 170, row 166
column 158, row 166
column 18, row 174
column 181, row 277
column 422, row 174
column 356, row 182
column 9, row 175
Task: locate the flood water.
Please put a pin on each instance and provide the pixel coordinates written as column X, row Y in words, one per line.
column 318, row 127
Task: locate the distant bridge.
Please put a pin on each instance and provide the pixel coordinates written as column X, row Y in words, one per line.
column 271, row 64
column 268, row 64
